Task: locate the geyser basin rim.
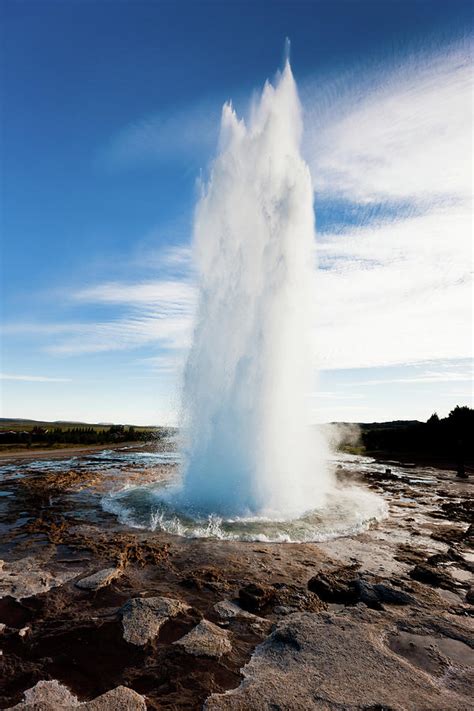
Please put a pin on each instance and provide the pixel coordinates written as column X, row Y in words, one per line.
column 349, row 511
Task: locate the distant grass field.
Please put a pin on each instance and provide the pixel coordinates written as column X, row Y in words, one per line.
column 22, row 434
column 18, row 425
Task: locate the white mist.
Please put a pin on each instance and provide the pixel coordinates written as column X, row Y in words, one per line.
column 250, row 450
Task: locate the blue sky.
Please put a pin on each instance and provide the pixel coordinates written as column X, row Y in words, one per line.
column 111, row 114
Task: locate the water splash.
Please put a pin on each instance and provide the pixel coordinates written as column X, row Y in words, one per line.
column 249, row 449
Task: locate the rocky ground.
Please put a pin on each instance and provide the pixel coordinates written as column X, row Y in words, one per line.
column 97, row 615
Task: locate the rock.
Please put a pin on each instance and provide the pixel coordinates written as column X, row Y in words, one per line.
column 47, row 696
column 336, row 587
column 375, row 595
column 470, row 596
column 350, row 591
column 392, row 596
column 142, row 618
column 118, row 699
column 255, row 598
column 430, row 575
column 28, row 576
column 206, row 577
column 367, row 594
column 51, row 696
column 99, row 580
column 206, row 640
column 297, row 598
column 227, row 610
column 327, row 661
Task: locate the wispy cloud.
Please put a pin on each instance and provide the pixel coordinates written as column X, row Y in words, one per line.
column 33, row 378
column 396, row 292
column 174, row 295
column 396, row 133
column 396, row 288
column 166, row 136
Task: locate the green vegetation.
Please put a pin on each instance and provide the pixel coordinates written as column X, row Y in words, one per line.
column 30, row 433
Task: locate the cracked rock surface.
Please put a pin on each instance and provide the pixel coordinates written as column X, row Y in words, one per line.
column 337, row 661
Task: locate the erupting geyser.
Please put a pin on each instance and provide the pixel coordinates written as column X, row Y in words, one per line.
column 253, row 467
column 249, row 447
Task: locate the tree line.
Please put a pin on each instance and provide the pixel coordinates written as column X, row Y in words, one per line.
column 449, row 438
column 81, row 435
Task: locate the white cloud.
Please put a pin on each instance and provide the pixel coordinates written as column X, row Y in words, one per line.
column 386, row 293
column 396, row 292
column 33, row 378
column 399, row 134
column 167, row 295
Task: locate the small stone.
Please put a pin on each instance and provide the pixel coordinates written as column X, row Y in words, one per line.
column 118, row 699
column 227, row 610
column 24, row 631
column 47, row 696
column 142, row 618
column 51, row 696
column 99, row 580
column 206, row 640
column 3, row 627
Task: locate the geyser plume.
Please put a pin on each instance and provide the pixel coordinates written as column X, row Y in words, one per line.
column 249, row 449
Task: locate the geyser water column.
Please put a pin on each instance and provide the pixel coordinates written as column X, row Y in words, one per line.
column 249, row 449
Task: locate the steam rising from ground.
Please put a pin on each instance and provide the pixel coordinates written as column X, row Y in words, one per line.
column 249, row 449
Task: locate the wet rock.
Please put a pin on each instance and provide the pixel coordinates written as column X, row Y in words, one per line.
column 428, row 574
column 366, row 594
column 337, row 587
column 206, row 640
column 142, row 618
column 375, row 595
column 99, row 580
column 256, row 598
column 350, row 591
column 51, row 696
column 392, row 596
